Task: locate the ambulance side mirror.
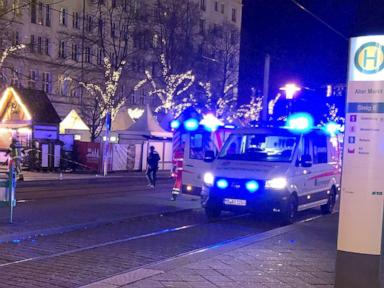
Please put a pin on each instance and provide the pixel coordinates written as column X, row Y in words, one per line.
column 209, row 156
column 306, row 161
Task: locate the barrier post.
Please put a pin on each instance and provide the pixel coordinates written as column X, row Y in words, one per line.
column 8, row 190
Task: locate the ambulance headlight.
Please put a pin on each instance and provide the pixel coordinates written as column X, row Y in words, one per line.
column 278, row 183
column 209, row 178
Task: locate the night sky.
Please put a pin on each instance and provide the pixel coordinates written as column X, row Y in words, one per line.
column 302, row 49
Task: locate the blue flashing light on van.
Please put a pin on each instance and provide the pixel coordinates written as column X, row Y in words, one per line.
column 222, row 184
column 175, row 124
column 300, row 123
column 252, row 186
column 191, row 124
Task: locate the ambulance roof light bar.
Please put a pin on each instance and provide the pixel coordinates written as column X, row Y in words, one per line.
column 211, row 122
column 300, row 122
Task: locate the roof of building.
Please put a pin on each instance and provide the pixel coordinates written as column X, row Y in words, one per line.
column 39, row 106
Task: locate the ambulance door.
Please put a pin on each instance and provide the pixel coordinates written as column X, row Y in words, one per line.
column 319, row 180
column 194, row 165
column 302, row 172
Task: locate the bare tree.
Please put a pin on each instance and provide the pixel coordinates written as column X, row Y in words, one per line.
column 108, row 47
column 10, row 42
column 221, row 47
column 172, row 89
column 175, row 24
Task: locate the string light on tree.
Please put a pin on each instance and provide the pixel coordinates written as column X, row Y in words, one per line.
column 251, row 112
column 172, row 93
column 107, row 93
column 222, row 108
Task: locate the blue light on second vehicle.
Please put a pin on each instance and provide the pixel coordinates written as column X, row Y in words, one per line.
column 175, row 124
column 222, row 183
column 191, row 124
column 252, row 186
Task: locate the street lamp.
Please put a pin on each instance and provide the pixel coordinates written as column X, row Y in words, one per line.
column 290, row 90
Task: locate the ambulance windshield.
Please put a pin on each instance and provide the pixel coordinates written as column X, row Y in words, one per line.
column 259, row 147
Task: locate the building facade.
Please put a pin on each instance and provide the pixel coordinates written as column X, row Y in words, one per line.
column 70, row 38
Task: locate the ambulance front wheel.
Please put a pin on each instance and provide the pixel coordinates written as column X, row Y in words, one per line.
column 328, row 208
column 290, row 213
column 212, row 213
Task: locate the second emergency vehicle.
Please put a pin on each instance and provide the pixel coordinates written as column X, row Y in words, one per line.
column 273, row 170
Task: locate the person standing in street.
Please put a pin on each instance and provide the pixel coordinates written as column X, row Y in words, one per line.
column 15, row 154
column 152, row 166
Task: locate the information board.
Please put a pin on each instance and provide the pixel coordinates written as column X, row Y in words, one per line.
column 362, row 187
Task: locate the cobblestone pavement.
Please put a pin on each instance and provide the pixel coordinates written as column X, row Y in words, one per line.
column 92, row 232
column 61, row 207
column 300, row 255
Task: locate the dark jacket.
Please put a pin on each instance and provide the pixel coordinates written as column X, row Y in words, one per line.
column 153, row 160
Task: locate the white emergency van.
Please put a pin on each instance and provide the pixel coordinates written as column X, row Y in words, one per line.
column 273, row 170
column 196, row 143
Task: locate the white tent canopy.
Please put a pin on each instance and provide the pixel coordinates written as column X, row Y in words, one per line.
column 147, row 126
column 73, row 121
column 122, row 121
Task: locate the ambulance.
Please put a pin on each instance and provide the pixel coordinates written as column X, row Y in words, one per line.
column 277, row 170
column 192, row 138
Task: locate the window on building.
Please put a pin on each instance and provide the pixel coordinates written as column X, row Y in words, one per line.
column 3, row 5
column 99, row 56
column 202, row 26
column 32, row 44
column 203, row 5
column 16, row 7
column 63, row 86
column 222, row 9
column 216, row 6
column 48, row 15
column 39, row 45
column 89, row 23
column 234, row 15
column 87, row 54
column 75, row 52
column 16, row 77
column 47, row 46
column 40, row 14
column 76, row 20
column 62, row 52
column 63, row 16
column 113, row 3
column 33, row 11
column 101, row 26
column 47, row 82
column 33, row 74
column 15, row 38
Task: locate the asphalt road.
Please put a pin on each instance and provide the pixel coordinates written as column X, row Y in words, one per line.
column 96, row 230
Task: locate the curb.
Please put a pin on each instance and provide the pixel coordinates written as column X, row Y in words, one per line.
column 164, row 266
column 90, row 180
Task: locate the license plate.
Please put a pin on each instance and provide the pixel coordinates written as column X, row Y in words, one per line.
column 235, row 202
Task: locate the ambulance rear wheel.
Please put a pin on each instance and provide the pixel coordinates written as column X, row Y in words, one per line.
column 328, row 208
column 212, row 213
